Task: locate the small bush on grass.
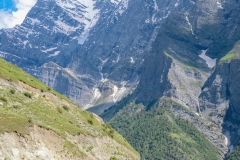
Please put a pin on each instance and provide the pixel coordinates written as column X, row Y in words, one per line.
column 90, row 122
column 12, row 91
column 66, row 108
column 27, row 94
column 3, row 99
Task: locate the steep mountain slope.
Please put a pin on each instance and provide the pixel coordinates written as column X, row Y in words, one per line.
column 169, row 136
column 177, row 67
column 100, row 52
column 38, row 123
column 68, row 48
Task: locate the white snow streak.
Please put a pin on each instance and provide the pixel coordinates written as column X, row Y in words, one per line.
column 191, row 28
column 219, row 4
column 177, row 3
column 132, row 60
column 96, row 93
column 54, row 54
column 50, row 49
column 228, row 142
column 118, row 92
column 155, row 5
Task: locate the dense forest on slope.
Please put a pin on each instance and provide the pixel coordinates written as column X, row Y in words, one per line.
column 158, row 134
column 235, row 155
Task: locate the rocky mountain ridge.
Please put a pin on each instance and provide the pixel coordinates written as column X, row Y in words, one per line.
column 100, row 52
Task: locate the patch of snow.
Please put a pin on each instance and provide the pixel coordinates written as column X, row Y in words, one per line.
column 50, row 49
column 191, row 28
column 118, row 92
column 24, row 43
column 103, row 62
column 169, row 12
column 54, row 54
column 83, row 37
column 132, row 60
column 33, row 21
column 192, row 2
column 147, row 21
column 118, row 58
column 96, row 93
column 103, row 79
column 155, row 5
column 219, row 4
column 84, row 12
column 228, row 142
column 116, row 2
column 64, row 28
column 122, row 6
column 209, row 61
column 177, row 3
column 115, row 90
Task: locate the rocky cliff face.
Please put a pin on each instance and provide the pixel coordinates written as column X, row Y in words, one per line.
column 107, row 65
column 219, row 99
column 177, row 66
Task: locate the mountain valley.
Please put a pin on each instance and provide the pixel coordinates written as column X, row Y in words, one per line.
column 164, row 74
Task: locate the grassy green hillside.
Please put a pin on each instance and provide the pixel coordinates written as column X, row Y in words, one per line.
column 233, row 54
column 158, row 134
column 25, row 102
column 13, row 74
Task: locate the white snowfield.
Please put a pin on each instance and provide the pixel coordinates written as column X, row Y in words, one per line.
column 83, row 11
column 209, row 61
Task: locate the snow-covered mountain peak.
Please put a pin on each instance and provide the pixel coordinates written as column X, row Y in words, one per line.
column 83, row 11
column 79, row 8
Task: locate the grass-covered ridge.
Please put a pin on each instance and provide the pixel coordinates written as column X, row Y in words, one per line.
column 233, row 54
column 25, row 101
column 14, row 74
column 158, row 135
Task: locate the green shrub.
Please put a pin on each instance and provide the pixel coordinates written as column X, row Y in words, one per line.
column 12, row 91
column 113, row 158
column 3, row 99
column 111, row 133
column 65, row 107
column 59, row 110
column 27, row 94
column 15, row 106
column 90, row 122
